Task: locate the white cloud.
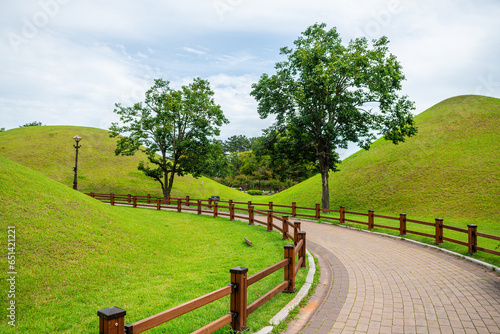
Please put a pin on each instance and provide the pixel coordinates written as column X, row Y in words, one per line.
column 82, row 57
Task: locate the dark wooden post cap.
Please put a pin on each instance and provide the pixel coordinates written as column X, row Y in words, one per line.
column 296, row 223
column 111, row 313
column 404, row 214
column 290, row 246
column 238, row 270
column 302, row 232
column 285, row 217
column 371, row 211
column 439, row 219
column 471, row 225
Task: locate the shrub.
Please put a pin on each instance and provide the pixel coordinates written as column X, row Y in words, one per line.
column 255, row 192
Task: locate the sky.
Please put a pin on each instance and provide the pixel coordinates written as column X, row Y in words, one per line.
column 67, row 62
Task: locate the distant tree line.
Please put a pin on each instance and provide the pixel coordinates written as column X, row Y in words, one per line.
column 35, row 123
column 324, row 95
column 259, row 163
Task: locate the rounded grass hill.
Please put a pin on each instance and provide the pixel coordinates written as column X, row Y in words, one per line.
column 49, row 150
column 75, row 255
column 450, row 169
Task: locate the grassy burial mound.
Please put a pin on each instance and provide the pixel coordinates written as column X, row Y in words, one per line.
column 49, row 150
column 75, row 255
column 450, row 169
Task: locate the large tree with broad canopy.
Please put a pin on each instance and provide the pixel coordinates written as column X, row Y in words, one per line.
column 327, row 94
column 175, row 129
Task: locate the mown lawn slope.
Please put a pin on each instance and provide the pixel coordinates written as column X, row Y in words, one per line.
column 49, row 150
column 76, row 255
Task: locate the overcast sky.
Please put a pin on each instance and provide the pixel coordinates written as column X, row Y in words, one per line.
column 67, row 62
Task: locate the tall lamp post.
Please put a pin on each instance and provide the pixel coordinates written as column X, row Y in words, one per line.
column 77, row 139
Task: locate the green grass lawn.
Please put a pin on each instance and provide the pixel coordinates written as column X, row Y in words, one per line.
column 75, row 255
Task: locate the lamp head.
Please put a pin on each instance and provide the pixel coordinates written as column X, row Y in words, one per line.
column 77, row 138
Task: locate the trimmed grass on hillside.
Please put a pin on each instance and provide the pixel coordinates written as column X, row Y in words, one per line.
column 75, row 255
column 49, row 150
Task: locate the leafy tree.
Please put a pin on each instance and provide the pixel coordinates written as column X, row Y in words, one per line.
column 173, row 128
column 239, row 143
column 35, row 123
column 322, row 92
column 217, row 165
column 285, row 160
column 2, row 129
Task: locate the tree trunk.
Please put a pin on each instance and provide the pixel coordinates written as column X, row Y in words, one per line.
column 325, row 197
column 324, row 168
column 168, row 184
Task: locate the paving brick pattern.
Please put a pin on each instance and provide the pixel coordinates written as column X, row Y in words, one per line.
column 386, row 285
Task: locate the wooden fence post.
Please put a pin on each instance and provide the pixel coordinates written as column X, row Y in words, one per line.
column 158, row 203
column 168, row 199
column 216, row 209
column 92, row 194
column 296, row 230
column 112, row 199
column 342, row 214
column 472, row 232
column 149, row 198
column 439, row 230
column 294, row 209
column 134, row 203
column 231, row 211
column 371, row 219
column 302, row 252
column 179, row 205
column 199, row 207
column 285, row 228
column 270, row 205
column 251, row 215
column 187, row 201
column 210, row 203
column 269, row 220
column 290, row 268
column 317, row 210
column 111, row 320
column 402, row 224
column 249, row 204
column 239, row 284
column 129, row 198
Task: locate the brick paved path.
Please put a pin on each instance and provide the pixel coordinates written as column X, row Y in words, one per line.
column 386, row 285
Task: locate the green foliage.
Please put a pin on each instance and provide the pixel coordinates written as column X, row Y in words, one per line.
column 173, row 128
column 35, row 123
column 322, row 93
column 49, row 150
column 255, row 192
column 2, row 129
column 237, row 143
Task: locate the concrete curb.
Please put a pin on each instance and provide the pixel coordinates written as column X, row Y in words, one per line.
column 285, row 311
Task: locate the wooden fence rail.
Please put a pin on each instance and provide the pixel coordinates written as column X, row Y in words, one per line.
column 268, row 210
column 112, row 319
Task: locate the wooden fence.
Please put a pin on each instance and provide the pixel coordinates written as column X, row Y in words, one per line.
column 112, row 319
column 270, row 209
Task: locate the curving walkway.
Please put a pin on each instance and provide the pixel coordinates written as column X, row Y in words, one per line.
column 386, row 285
